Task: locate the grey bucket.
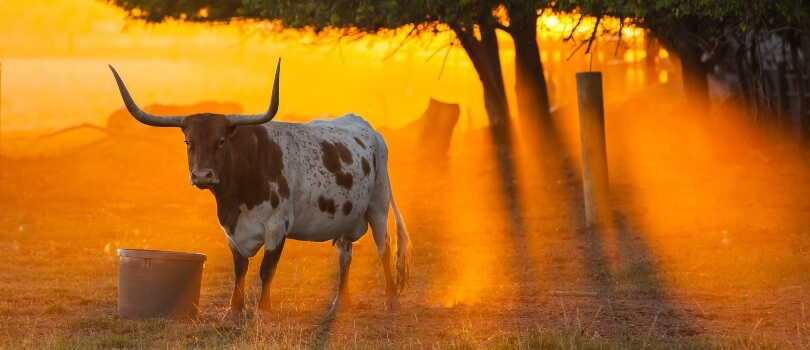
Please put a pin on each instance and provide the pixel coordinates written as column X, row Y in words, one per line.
column 157, row 283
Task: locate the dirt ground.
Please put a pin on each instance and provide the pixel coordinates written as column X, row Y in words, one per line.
column 702, row 253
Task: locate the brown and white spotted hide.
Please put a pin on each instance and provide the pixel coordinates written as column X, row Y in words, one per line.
column 310, row 182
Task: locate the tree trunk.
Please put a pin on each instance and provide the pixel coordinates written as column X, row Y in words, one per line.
column 489, row 46
column 530, row 84
column 744, row 74
column 681, row 40
column 485, row 60
column 793, row 39
column 695, row 81
column 757, row 80
column 805, row 46
column 651, row 61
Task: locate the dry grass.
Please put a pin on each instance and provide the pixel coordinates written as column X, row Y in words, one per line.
column 729, row 274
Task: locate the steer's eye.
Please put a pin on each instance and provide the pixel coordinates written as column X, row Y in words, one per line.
column 188, row 145
column 221, row 142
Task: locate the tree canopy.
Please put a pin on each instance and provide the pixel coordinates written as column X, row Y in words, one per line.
column 702, row 33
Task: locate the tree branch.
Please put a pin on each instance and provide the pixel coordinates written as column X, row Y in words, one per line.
column 593, row 35
column 402, row 43
column 575, row 50
column 447, row 54
column 571, row 35
column 619, row 42
column 450, row 44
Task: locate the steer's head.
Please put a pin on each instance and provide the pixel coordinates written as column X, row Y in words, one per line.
column 207, row 136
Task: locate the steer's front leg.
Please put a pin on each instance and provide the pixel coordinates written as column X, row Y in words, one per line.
column 237, row 305
column 267, row 271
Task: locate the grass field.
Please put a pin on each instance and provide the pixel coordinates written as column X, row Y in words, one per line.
column 703, row 254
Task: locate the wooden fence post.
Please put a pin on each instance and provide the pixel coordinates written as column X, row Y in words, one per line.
column 594, row 154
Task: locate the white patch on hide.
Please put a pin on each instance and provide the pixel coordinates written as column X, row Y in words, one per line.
column 251, row 228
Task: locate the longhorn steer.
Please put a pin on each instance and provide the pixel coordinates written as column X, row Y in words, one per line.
column 319, row 181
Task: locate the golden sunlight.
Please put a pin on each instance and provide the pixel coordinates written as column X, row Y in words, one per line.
column 707, row 236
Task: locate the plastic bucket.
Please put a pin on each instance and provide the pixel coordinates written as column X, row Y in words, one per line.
column 157, row 283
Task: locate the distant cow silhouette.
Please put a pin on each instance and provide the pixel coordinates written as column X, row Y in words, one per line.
column 428, row 137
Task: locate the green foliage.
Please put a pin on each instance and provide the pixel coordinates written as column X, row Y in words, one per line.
column 367, row 16
column 364, row 15
column 654, row 14
column 191, row 10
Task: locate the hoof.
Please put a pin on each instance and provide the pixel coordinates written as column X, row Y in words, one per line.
column 264, row 316
column 233, row 315
column 392, row 305
column 340, row 304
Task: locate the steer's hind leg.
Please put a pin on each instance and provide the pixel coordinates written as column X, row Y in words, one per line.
column 342, row 300
column 377, row 216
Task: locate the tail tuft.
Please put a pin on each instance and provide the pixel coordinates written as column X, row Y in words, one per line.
column 403, row 257
column 404, row 248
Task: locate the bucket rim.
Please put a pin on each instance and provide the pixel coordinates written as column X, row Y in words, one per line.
column 160, row 254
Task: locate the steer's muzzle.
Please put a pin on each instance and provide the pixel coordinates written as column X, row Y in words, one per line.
column 204, row 178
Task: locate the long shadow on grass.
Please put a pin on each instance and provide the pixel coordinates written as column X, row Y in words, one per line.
column 521, row 258
column 323, row 330
column 621, row 266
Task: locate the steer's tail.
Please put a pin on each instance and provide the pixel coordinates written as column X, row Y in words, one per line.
column 403, row 246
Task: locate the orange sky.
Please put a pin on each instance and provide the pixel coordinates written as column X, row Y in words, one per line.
column 54, row 57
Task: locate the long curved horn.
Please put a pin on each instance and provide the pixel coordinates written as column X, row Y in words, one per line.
column 140, row 115
column 248, row 119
